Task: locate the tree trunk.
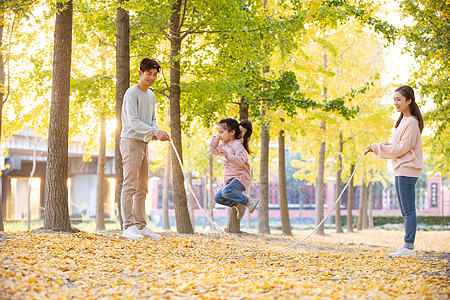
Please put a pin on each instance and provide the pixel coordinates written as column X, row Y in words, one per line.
column 350, row 201
column 211, row 192
column 33, row 169
column 122, row 84
column 181, row 210
column 365, row 215
column 100, row 216
column 204, row 183
column 338, row 185
column 362, row 205
column 2, row 94
column 56, row 204
column 190, row 199
column 234, row 224
column 370, row 217
column 263, row 211
column 284, row 211
column 249, row 215
column 166, row 223
column 319, row 192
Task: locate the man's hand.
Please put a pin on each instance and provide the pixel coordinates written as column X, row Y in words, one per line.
column 162, row 136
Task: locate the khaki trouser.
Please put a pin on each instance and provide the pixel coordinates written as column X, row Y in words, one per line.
column 135, row 182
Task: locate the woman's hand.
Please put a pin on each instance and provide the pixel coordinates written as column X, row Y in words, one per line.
column 369, row 149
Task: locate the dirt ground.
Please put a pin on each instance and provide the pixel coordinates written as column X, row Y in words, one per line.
column 211, row 265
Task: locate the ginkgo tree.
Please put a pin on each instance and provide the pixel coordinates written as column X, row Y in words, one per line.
column 428, row 39
column 13, row 16
column 93, row 85
column 350, row 50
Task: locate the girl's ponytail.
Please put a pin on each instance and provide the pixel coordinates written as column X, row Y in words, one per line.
column 247, row 125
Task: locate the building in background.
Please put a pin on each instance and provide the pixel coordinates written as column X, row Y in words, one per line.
column 26, row 148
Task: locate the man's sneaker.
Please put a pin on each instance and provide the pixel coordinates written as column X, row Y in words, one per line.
column 132, row 232
column 402, row 251
column 147, row 232
column 251, row 204
column 240, row 210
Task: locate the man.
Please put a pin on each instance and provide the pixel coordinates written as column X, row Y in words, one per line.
column 139, row 127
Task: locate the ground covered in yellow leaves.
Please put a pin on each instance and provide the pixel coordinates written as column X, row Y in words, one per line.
column 214, row 266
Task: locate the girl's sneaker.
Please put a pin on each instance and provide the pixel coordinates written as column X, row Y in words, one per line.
column 240, row 210
column 402, row 251
column 251, row 204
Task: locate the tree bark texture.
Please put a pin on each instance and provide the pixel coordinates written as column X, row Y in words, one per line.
column 2, row 94
column 100, row 216
column 249, row 215
column 350, row 201
column 338, row 184
column 263, row 211
column 205, row 198
column 365, row 215
column 284, row 211
column 362, row 206
column 211, row 192
column 122, row 84
column 167, row 172
column 190, row 199
column 319, row 191
column 234, row 224
column 181, row 210
column 370, row 217
column 56, row 204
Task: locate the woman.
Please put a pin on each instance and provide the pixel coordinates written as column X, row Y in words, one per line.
column 406, row 154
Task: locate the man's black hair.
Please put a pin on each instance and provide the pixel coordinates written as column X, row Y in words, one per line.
column 149, row 63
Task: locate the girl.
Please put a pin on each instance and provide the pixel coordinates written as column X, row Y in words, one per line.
column 406, row 154
column 237, row 176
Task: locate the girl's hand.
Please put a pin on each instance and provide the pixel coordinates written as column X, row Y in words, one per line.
column 369, row 149
column 224, row 153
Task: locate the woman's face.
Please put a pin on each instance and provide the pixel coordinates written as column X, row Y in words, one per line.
column 401, row 104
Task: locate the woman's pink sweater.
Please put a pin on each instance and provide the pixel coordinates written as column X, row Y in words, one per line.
column 236, row 165
column 405, row 149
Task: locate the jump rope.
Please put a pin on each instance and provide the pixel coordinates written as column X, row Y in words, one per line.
column 247, row 245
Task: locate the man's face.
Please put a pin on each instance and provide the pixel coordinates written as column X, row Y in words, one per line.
column 148, row 77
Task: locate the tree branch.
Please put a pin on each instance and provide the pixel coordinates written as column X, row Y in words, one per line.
column 182, row 17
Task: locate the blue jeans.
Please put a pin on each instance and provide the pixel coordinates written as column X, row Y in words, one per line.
column 406, row 194
column 231, row 194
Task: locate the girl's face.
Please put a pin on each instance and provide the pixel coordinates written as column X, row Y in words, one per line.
column 224, row 135
column 401, row 104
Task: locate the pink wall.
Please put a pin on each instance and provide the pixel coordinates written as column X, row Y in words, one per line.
column 435, row 204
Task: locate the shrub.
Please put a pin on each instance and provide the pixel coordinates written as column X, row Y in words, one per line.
column 398, row 219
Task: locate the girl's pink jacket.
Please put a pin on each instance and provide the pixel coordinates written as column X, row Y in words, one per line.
column 405, row 149
column 236, row 165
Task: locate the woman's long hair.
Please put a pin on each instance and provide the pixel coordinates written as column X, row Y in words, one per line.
column 232, row 124
column 408, row 93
